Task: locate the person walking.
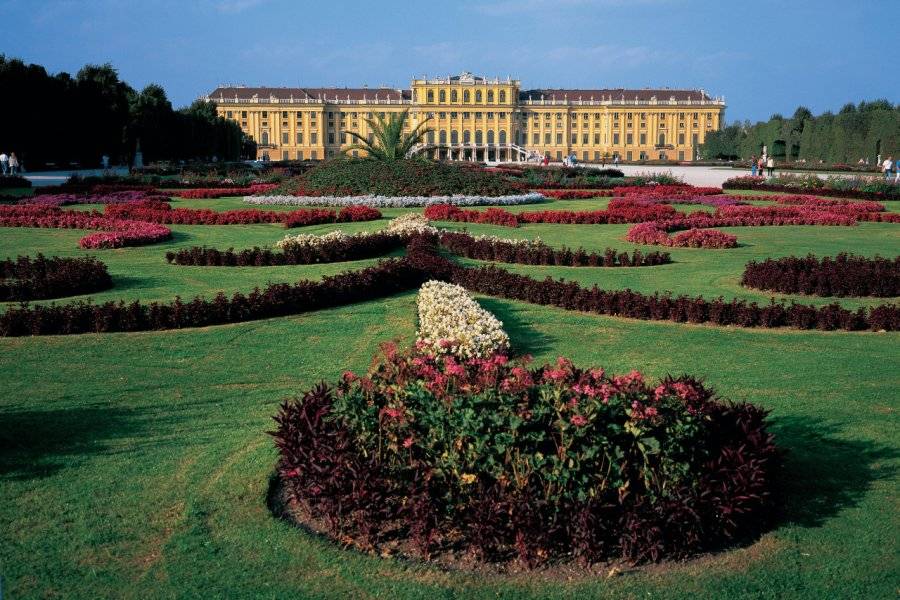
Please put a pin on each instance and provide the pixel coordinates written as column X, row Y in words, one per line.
column 887, row 166
column 760, row 166
column 770, row 166
column 13, row 163
column 753, row 166
column 4, row 163
column 897, row 171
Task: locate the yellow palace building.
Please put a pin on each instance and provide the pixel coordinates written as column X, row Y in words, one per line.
column 479, row 119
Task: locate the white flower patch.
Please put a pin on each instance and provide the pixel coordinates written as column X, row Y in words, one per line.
column 405, row 225
column 397, row 201
column 522, row 242
column 451, row 322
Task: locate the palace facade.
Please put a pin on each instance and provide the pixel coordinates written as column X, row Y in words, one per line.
column 480, row 119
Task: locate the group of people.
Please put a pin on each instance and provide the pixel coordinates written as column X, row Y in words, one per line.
column 762, row 165
column 9, row 165
column 889, row 167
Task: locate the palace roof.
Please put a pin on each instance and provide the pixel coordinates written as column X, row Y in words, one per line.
column 614, row 94
column 286, row 93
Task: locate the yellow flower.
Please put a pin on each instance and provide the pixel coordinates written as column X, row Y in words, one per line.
column 468, row 478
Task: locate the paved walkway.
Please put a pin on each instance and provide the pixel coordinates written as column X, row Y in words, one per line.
column 41, row 178
column 707, row 176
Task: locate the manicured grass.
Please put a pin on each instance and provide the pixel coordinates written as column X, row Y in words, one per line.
column 137, row 465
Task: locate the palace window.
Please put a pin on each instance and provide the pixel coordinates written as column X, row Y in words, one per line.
column 615, row 139
column 615, row 116
column 465, row 115
column 490, row 115
column 681, row 155
column 442, row 115
column 662, row 139
column 574, row 138
column 643, row 116
column 228, row 114
column 442, row 96
column 490, row 136
column 694, row 139
column 681, row 139
column 643, row 139
column 597, row 155
column 265, row 138
column 535, row 138
column 478, row 115
column 243, row 123
column 584, row 139
column 502, row 116
column 642, row 156
column 453, row 115
column 243, row 114
column 628, row 155
column 430, row 137
column 454, row 137
column 466, row 96
column 313, row 155
column 284, row 155
column 430, row 96
column 284, row 114
column 502, row 137
column 559, row 115
column 330, row 138
column 265, row 114
column 452, row 95
column 313, row 139
column 285, row 138
column 629, row 116
column 442, row 136
column 559, row 139
column 478, row 137
column 467, row 136
column 596, row 116
column 629, row 139
column 547, row 138
column 490, row 96
column 502, row 97
column 299, row 154
column 584, row 117
column 299, row 137
column 596, row 138
column 343, row 138
column 478, row 97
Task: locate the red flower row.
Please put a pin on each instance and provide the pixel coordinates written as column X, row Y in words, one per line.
column 651, row 233
column 622, row 213
column 162, row 213
column 574, row 194
column 256, row 188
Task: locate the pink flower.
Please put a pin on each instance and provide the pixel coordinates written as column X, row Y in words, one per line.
column 392, row 413
column 578, row 420
column 408, row 442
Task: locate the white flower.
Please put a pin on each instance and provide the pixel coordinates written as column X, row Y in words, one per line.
column 451, row 322
column 397, row 201
column 406, row 225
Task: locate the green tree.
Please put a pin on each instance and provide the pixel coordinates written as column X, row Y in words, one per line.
column 389, row 140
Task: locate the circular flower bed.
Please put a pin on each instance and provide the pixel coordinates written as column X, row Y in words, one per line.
column 490, row 459
column 41, row 278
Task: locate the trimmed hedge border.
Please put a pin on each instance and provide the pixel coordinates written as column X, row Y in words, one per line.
column 747, row 185
column 397, row 201
column 353, row 248
column 42, row 278
column 843, row 275
column 463, row 244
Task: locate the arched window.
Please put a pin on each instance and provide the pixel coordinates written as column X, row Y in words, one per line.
column 478, row 96
column 452, row 95
column 478, row 137
column 502, row 97
column 466, row 96
column 430, row 137
column 430, row 96
column 454, row 137
column 490, row 96
column 467, row 136
column 490, row 136
column 502, row 137
column 442, row 96
column 265, row 138
column 443, row 136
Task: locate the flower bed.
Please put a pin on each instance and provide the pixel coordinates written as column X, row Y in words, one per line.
column 276, row 300
column 652, row 234
column 256, row 188
column 396, row 201
column 626, row 212
column 493, row 459
column 535, row 252
column 94, row 198
column 574, row 194
column 452, row 323
column 156, row 212
column 492, row 216
column 116, row 232
column 843, row 275
column 41, row 278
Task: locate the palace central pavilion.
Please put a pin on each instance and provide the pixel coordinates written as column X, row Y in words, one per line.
column 479, row 119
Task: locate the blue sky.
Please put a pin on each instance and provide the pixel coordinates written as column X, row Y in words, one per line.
column 763, row 56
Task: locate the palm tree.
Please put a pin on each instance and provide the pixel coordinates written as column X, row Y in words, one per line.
column 389, row 141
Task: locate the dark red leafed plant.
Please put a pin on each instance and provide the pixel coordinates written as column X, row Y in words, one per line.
column 383, row 455
column 40, row 278
column 843, row 275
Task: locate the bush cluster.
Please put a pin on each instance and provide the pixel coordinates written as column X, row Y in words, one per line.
column 256, row 188
column 562, row 177
column 94, row 198
column 40, row 278
column 539, row 253
column 838, row 187
column 493, row 457
column 356, row 177
column 843, row 275
column 342, row 249
column 653, row 234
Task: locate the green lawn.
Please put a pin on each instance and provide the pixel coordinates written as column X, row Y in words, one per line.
column 137, row 465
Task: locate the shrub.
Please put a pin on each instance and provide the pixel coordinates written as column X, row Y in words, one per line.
column 14, row 181
column 843, row 275
column 94, row 198
column 40, row 278
column 492, row 457
column 396, row 201
column 358, row 177
column 865, row 188
column 535, row 252
column 257, row 188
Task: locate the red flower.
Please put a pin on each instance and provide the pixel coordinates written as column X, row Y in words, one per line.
column 578, row 420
